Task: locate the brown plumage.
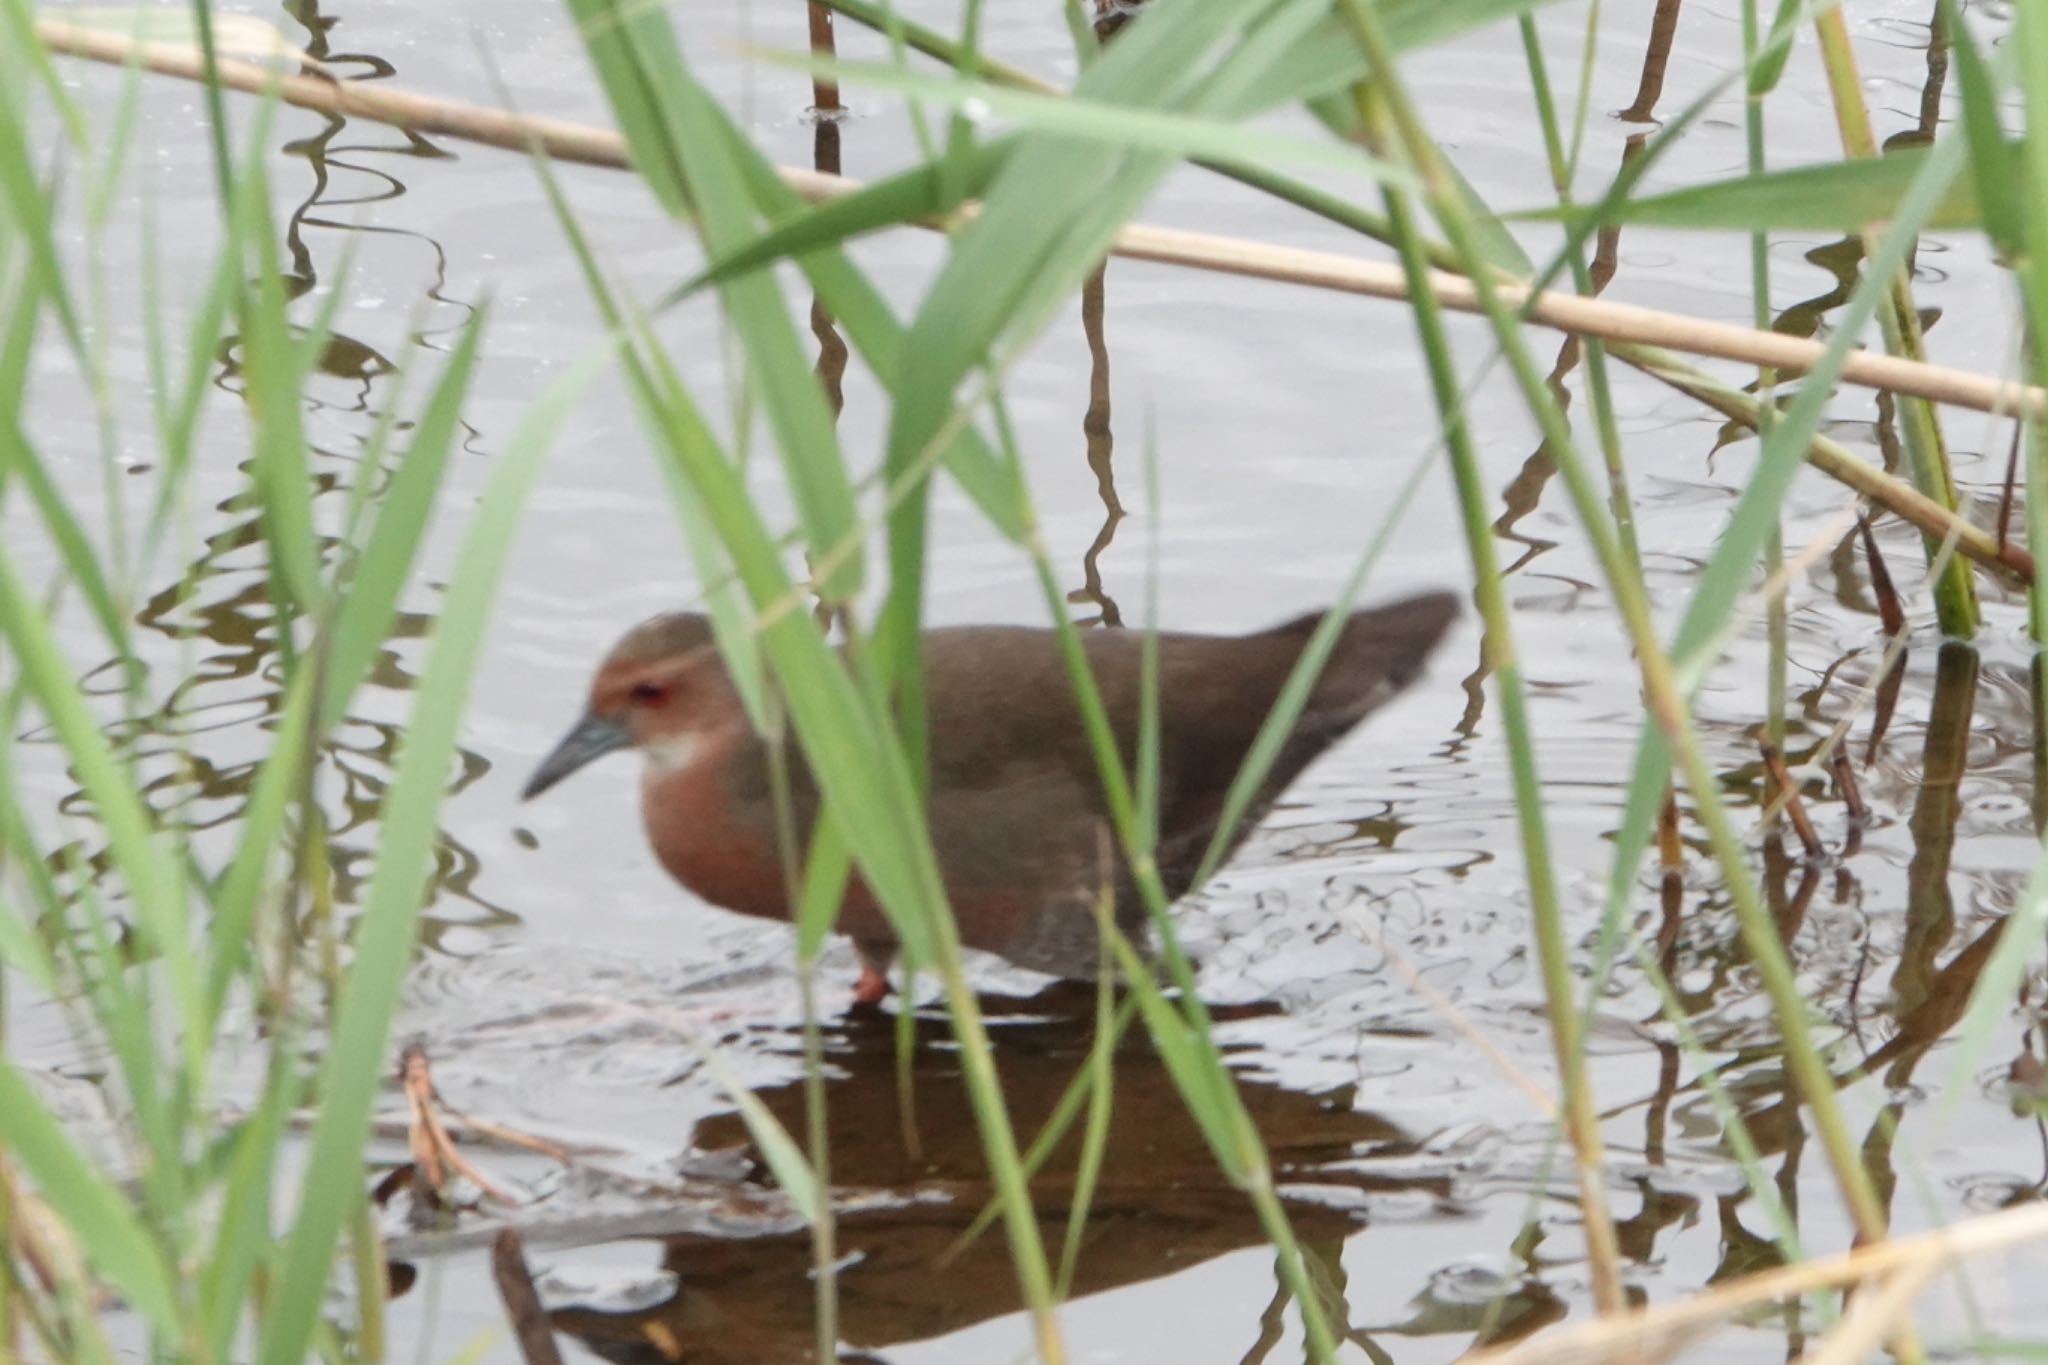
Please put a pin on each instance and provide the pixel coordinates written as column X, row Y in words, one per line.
column 1018, row 816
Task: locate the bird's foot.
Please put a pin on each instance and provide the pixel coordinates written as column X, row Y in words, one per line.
column 872, row 988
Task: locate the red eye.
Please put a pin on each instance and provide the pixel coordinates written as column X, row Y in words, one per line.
column 648, row 692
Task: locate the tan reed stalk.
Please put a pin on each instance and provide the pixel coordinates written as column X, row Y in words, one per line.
column 588, row 145
column 1638, row 1334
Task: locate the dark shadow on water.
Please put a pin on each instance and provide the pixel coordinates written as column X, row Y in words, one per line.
column 1161, row 1206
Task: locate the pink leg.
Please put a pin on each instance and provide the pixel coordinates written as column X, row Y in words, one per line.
column 873, row 986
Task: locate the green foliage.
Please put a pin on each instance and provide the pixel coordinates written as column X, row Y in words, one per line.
column 156, row 944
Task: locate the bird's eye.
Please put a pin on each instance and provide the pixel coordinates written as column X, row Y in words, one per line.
column 648, row 692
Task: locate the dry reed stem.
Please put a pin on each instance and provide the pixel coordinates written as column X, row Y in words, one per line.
column 1874, row 1317
column 1844, row 466
column 1634, row 1334
column 587, row 145
column 434, row 1152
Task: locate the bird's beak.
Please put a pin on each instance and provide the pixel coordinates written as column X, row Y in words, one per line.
column 593, row 738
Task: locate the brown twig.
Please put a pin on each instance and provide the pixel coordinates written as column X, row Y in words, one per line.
column 1785, row 794
column 1852, row 793
column 530, row 1326
column 1890, row 613
column 434, row 1153
column 2012, row 476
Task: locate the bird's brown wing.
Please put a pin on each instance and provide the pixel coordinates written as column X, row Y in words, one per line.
column 1027, row 864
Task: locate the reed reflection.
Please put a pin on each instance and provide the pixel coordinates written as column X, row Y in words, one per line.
column 200, row 746
column 1100, row 442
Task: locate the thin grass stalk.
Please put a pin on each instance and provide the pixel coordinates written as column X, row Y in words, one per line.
column 2021, row 229
column 1665, row 699
column 1580, row 1115
column 1621, row 504
column 2031, row 34
column 1776, row 673
column 822, row 886
column 1052, row 1131
column 115, row 543
column 1622, row 508
column 1582, row 105
column 1099, row 1077
column 1955, row 597
column 1599, row 383
column 2001, row 982
column 818, row 1146
column 12, row 1285
column 1727, row 1110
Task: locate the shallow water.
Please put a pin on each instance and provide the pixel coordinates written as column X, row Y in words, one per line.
column 565, row 985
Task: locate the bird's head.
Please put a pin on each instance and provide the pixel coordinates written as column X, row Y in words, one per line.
column 662, row 690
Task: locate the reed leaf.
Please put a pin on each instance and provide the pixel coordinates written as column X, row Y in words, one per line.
column 663, row 111
column 1836, row 195
column 384, row 941
column 103, row 1219
column 368, row 598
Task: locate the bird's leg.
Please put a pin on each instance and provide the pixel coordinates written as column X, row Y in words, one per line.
column 873, row 986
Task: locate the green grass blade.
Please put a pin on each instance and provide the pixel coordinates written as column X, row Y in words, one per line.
column 668, row 117
column 1226, row 142
column 274, row 377
column 243, row 1236
column 23, row 200
column 1993, row 170
column 81, row 558
column 785, row 1159
column 362, row 1020
column 92, row 1206
column 918, row 194
column 369, row 599
column 239, row 893
column 1837, row 195
column 151, row 875
column 873, row 329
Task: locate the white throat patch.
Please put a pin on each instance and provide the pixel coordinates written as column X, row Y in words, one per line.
column 673, row 753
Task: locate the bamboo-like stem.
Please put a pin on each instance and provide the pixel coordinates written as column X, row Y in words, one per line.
column 1955, row 598
column 588, row 145
column 1776, row 671
column 1840, row 463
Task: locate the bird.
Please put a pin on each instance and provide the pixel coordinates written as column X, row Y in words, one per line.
column 1016, row 808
